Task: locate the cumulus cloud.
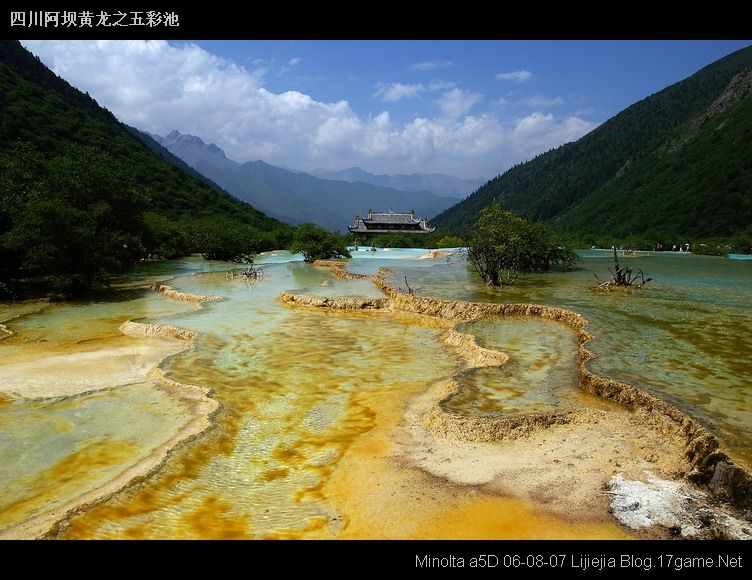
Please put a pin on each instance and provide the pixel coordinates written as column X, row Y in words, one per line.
column 158, row 87
column 455, row 103
column 393, row 92
column 294, row 61
column 430, row 65
column 539, row 132
column 519, row 76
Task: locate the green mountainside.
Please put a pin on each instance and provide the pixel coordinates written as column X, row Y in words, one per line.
column 81, row 197
column 676, row 165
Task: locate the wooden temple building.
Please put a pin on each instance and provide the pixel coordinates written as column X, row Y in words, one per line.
column 389, row 223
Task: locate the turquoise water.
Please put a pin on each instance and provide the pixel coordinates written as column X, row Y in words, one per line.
column 687, row 335
column 540, row 375
column 53, row 450
column 297, row 388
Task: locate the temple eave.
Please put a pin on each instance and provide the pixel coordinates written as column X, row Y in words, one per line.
column 394, row 231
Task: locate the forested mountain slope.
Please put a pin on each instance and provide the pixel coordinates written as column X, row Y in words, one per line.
column 81, row 197
column 676, row 164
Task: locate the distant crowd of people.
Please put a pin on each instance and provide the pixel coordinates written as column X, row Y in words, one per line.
column 659, row 247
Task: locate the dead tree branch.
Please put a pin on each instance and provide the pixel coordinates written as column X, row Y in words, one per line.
column 623, row 276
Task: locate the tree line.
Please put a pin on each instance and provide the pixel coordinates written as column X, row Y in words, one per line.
column 69, row 222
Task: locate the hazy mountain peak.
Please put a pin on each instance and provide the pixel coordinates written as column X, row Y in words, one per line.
column 177, row 140
column 437, row 183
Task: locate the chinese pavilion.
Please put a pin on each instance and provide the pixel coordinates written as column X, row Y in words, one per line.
column 389, row 223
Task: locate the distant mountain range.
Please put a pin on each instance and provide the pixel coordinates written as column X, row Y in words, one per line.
column 297, row 197
column 675, row 165
column 438, row 183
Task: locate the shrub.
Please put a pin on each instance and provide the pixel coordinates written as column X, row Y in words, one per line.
column 316, row 243
column 504, row 245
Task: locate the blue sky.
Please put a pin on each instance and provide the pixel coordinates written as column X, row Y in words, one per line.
column 467, row 108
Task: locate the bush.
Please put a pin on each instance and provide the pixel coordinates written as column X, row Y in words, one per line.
column 165, row 238
column 504, row 245
column 450, row 242
column 69, row 220
column 316, row 243
column 710, row 250
column 221, row 238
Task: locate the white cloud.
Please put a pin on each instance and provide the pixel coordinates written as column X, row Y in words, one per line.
column 431, row 65
column 540, row 102
column 158, row 87
column 439, row 85
column 455, row 103
column 519, row 76
column 294, row 61
column 539, row 132
column 393, row 92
